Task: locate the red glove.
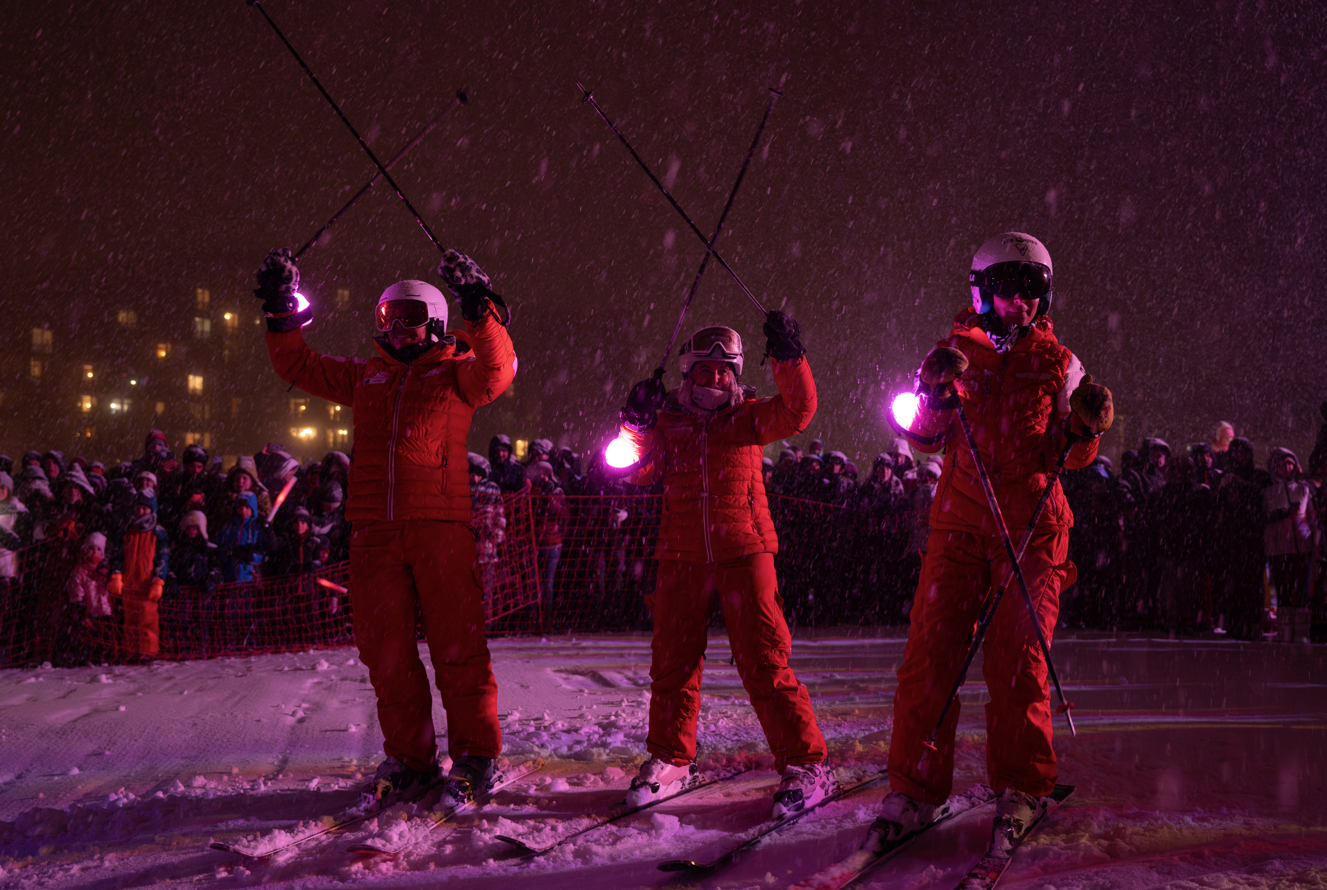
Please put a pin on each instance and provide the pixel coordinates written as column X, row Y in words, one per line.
column 154, row 590
column 115, row 586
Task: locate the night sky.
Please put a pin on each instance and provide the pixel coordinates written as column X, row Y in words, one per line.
column 1169, row 155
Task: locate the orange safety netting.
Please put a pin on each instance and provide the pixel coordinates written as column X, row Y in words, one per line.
column 546, row 563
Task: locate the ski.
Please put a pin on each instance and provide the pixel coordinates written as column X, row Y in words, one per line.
column 623, row 810
column 702, row 869
column 991, row 867
column 501, row 779
column 331, row 824
column 875, row 851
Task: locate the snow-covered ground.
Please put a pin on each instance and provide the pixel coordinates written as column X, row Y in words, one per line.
column 1198, row 764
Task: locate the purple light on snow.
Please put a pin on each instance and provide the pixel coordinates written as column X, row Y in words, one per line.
column 904, row 408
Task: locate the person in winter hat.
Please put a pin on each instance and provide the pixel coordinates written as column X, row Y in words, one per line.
column 1288, row 540
column 53, row 462
column 541, row 449
column 157, row 457
column 140, row 561
column 329, row 521
column 703, row 442
column 489, row 520
column 11, row 509
column 1027, row 398
column 87, row 633
column 243, row 541
column 1241, row 523
column 293, row 554
column 507, row 472
column 195, row 566
column 412, row 552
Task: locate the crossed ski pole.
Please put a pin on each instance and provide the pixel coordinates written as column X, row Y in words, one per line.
column 461, row 99
column 382, row 168
column 588, row 96
column 1016, row 573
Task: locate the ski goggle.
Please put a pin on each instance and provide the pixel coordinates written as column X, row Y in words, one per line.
column 409, row 313
column 718, row 342
column 1008, row 280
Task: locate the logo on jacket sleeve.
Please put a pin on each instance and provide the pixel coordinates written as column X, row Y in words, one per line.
column 377, row 377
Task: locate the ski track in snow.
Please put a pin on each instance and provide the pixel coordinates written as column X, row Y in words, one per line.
column 1198, row 766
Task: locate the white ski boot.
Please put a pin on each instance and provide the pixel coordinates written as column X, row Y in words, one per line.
column 900, row 816
column 659, row 779
column 1015, row 814
column 804, row 785
column 470, row 776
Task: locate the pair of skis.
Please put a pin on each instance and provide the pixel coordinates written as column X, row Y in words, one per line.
column 501, row 778
column 982, row 876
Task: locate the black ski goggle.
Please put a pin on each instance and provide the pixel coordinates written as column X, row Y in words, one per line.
column 1008, row 280
column 408, row 313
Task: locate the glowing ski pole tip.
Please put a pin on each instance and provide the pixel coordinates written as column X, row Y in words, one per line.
column 620, row 453
column 904, row 408
column 301, row 303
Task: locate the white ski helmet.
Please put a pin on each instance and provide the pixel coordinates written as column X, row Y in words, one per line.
column 1018, row 249
column 713, row 343
column 435, row 304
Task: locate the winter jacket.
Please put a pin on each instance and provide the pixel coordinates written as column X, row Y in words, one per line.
column 87, row 587
column 547, row 504
column 1015, row 403
column 243, row 544
column 1288, row 504
column 411, row 420
column 141, row 556
column 489, row 519
column 195, row 563
column 509, row 475
column 11, row 508
column 714, row 503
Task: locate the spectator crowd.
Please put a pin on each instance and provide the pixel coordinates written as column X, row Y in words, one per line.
column 1183, row 541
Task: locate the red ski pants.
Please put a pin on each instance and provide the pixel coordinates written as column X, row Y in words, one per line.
column 402, row 573
column 956, row 575
column 748, row 594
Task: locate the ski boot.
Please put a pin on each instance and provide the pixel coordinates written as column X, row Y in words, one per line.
column 659, row 779
column 804, row 785
column 395, row 782
column 1015, row 814
column 900, row 816
column 470, row 776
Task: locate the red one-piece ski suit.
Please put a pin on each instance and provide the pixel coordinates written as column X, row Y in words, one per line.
column 412, row 553
column 1016, row 403
column 717, row 538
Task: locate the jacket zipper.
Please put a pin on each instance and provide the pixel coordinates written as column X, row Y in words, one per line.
column 705, row 490
column 391, row 448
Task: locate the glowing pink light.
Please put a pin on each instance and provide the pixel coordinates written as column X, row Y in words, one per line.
column 904, row 409
column 300, row 303
column 621, row 453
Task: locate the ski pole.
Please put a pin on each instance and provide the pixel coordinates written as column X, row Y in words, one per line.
column 256, row 4
column 993, row 600
column 723, row 217
column 588, row 96
column 461, row 99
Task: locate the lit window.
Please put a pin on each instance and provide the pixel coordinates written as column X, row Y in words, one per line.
column 202, row 327
column 89, row 432
column 298, row 408
column 343, row 298
column 307, row 432
column 520, row 448
column 232, row 320
column 195, row 383
column 127, row 318
column 120, row 406
column 163, row 350
column 87, row 372
column 193, row 439
column 161, row 408
column 133, row 382
column 203, row 297
column 42, row 340
column 87, row 403
column 35, row 368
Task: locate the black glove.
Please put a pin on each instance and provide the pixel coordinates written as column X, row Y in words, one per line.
column 784, row 333
column 935, row 380
column 278, row 279
column 477, row 301
column 644, row 402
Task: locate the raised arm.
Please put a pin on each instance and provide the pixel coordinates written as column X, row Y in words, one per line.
column 488, row 375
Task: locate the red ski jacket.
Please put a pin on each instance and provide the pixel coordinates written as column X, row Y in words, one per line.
column 715, row 507
column 411, row 421
column 1017, row 403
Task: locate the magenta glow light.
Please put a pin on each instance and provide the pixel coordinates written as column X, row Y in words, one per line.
column 904, row 409
column 300, row 305
column 621, row 453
